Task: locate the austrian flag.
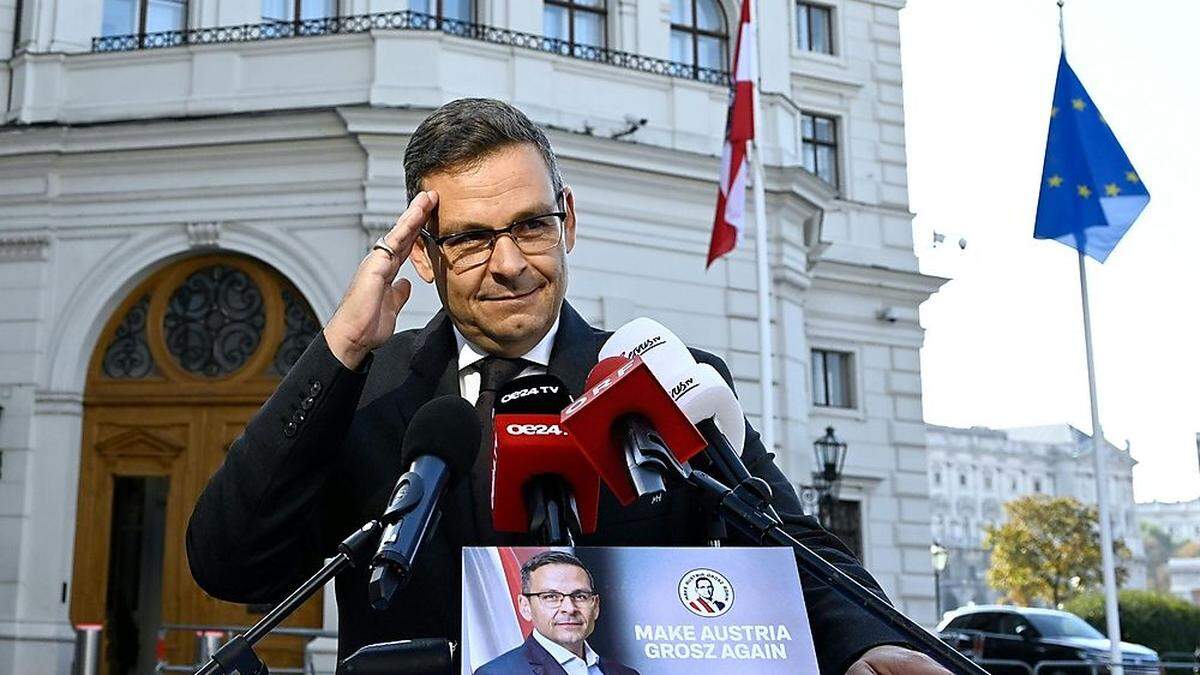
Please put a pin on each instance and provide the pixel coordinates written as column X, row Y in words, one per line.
column 739, row 130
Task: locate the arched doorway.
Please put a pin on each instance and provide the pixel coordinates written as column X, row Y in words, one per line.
column 181, row 366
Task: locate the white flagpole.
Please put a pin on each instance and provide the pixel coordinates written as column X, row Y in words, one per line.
column 765, row 354
column 1107, row 562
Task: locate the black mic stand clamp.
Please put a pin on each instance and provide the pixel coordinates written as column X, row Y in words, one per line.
column 553, row 516
column 237, row 656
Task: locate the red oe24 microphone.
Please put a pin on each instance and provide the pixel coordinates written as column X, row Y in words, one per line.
column 623, row 402
column 539, row 471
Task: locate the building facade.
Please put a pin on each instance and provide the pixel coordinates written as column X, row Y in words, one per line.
column 186, row 187
column 973, row 472
column 1181, row 520
column 1185, row 578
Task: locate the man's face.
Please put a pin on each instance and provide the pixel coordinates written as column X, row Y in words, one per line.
column 507, row 304
column 569, row 624
column 705, row 588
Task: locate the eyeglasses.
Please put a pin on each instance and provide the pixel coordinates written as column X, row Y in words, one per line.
column 535, row 235
column 553, row 599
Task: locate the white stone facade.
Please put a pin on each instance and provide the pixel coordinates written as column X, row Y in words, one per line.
column 1185, row 578
column 973, row 472
column 1181, row 520
column 289, row 151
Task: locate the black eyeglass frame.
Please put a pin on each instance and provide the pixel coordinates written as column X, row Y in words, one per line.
column 592, row 595
column 495, row 234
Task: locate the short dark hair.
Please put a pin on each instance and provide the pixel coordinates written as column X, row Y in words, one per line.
column 461, row 133
column 551, row 558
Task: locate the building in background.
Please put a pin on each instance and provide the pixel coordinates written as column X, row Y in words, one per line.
column 186, row 187
column 973, row 472
column 1185, row 578
column 1180, row 520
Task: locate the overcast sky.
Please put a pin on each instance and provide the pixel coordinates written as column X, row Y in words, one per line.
column 1004, row 340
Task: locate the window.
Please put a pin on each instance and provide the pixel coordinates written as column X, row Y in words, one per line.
column 831, row 379
column 286, row 11
column 1037, row 485
column 576, row 22
column 845, row 523
column 987, row 480
column 962, row 479
column 814, row 28
column 698, row 35
column 819, row 135
column 126, row 17
column 455, row 10
column 937, row 478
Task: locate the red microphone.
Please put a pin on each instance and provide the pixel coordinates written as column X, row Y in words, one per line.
column 539, row 473
column 619, row 392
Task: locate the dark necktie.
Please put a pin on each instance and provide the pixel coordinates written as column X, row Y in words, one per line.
column 495, row 372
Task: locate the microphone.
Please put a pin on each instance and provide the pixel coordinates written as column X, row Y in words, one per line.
column 625, row 420
column 541, row 480
column 441, row 444
column 697, row 388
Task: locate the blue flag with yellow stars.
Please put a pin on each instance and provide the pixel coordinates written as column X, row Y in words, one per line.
column 1090, row 192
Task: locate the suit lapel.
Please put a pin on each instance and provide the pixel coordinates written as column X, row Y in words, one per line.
column 576, row 347
column 432, row 357
column 540, row 661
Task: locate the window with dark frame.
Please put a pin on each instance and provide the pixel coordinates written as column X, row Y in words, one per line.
column 814, row 27
column 699, row 35
column 130, row 17
column 820, row 146
column 455, row 10
column 846, row 524
column 579, row 23
column 832, row 379
column 288, row 11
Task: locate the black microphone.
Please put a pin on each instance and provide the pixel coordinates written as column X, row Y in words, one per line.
column 441, row 444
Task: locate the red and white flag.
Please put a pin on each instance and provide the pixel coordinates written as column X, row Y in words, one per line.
column 739, row 128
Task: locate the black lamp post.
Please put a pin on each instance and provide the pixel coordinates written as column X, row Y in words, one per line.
column 830, row 454
column 940, row 554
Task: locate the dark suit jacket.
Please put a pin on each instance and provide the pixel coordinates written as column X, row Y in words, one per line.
column 531, row 658
column 321, row 458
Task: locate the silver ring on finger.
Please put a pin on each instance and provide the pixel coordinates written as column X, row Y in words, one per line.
column 381, row 245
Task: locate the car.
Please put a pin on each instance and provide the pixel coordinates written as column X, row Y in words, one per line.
column 1028, row 635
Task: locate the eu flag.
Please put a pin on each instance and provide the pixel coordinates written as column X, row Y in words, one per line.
column 1090, row 192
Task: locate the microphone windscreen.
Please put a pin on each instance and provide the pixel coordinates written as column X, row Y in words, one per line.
column 446, row 428
column 533, row 394
column 664, row 353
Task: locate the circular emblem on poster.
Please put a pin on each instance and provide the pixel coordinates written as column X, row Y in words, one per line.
column 706, row 592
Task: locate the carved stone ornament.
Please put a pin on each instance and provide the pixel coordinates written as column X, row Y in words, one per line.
column 204, row 235
column 24, row 248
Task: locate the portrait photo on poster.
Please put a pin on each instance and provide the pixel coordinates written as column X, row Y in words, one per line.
column 633, row 611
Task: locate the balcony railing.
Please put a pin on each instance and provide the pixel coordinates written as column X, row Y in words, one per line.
column 404, row 20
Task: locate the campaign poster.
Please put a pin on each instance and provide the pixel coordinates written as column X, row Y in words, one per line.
column 634, row 611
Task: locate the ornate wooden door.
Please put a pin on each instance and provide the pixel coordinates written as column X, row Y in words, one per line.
column 182, row 365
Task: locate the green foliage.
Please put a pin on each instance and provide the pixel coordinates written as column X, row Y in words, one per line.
column 1159, row 548
column 1160, row 621
column 1048, row 551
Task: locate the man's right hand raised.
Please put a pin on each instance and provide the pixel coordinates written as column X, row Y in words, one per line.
column 366, row 316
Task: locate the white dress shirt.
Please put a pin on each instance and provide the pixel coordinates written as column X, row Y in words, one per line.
column 589, row 665
column 469, row 355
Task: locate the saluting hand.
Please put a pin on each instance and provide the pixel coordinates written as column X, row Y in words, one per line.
column 366, row 316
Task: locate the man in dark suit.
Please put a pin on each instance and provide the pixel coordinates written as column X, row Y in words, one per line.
column 490, row 224
column 558, row 596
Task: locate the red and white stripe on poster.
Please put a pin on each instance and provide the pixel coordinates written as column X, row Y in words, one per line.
column 739, row 129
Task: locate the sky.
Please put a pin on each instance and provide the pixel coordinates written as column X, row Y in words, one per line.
column 1004, row 337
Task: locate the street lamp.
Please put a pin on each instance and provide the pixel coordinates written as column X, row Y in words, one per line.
column 939, row 554
column 830, row 453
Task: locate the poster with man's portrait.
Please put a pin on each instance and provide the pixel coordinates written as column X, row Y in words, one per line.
column 633, row 611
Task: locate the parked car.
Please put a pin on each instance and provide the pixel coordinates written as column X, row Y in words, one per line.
column 1030, row 635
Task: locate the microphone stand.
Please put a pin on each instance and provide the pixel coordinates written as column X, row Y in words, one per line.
column 746, row 508
column 552, row 514
column 237, row 655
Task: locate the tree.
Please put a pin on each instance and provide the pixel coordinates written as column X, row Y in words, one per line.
column 1048, row 551
column 1159, row 548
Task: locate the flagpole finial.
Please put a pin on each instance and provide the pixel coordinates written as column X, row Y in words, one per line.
column 1062, row 38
